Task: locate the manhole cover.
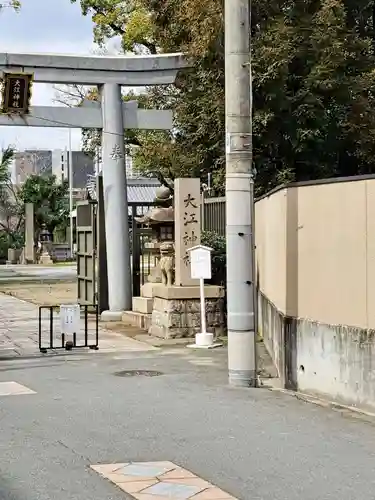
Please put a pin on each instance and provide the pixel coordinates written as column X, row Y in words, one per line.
column 138, row 373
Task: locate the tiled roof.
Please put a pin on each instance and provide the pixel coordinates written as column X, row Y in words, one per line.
column 139, row 190
column 142, row 191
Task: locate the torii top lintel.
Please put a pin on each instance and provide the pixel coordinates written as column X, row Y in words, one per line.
column 96, row 70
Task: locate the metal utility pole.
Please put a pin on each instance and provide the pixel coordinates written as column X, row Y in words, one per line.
column 241, row 291
column 70, row 167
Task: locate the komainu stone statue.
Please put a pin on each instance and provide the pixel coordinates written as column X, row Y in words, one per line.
column 166, row 263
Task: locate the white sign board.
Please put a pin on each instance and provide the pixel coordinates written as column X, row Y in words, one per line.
column 200, row 263
column 70, row 316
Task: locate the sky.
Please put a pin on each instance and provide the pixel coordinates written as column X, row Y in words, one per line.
column 44, row 26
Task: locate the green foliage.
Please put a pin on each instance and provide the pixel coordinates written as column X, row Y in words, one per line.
column 51, row 207
column 213, row 240
column 313, row 94
column 4, row 245
column 129, row 19
column 91, row 139
column 10, row 208
column 16, row 4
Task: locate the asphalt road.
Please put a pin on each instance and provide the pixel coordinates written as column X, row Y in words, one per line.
column 256, row 444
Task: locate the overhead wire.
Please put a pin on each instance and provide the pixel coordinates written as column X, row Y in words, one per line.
column 63, row 124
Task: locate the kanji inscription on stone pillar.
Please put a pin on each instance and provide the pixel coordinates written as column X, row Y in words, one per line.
column 187, row 227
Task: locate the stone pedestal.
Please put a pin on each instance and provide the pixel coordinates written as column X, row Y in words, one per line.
column 176, row 311
column 147, row 290
column 45, row 257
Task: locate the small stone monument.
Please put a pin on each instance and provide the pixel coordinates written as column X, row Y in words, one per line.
column 29, row 248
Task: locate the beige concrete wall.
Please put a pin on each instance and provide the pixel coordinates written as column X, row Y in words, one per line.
column 316, row 251
column 270, row 240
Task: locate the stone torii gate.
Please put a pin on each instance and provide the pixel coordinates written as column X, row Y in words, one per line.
column 109, row 74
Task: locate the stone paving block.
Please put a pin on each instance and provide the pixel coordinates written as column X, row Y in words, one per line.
column 160, row 481
column 136, row 486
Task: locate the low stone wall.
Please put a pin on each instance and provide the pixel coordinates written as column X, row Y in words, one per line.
column 60, row 252
column 334, row 361
column 180, row 318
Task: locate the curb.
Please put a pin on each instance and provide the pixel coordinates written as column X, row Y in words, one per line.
column 325, row 403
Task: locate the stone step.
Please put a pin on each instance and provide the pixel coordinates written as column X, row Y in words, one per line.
column 142, row 305
column 140, row 320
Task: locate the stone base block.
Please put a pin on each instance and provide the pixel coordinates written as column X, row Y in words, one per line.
column 140, row 320
column 142, row 305
column 108, row 316
column 45, row 259
column 181, row 318
column 186, row 292
column 147, row 290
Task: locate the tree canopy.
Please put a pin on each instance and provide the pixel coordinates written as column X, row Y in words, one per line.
column 313, row 94
column 51, row 206
column 50, row 199
column 11, row 210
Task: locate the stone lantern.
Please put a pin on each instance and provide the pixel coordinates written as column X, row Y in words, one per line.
column 160, row 219
column 45, row 238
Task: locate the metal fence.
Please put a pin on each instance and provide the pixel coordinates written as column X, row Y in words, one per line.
column 213, row 215
column 143, row 259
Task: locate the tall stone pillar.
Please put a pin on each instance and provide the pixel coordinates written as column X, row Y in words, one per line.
column 29, row 251
column 115, row 205
column 187, row 216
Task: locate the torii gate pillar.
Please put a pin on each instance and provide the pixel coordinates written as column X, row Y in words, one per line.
column 115, row 204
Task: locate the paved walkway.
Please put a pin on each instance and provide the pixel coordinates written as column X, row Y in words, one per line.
column 19, row 331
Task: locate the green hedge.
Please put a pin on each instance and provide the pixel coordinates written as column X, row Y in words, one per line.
column 218, row 244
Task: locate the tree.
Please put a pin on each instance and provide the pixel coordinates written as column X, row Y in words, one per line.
column 14, row 4
column 11, row 209
column 313, row 95
column 313, row 85
column 128, row 19
column 188, row 149
column 50, row 199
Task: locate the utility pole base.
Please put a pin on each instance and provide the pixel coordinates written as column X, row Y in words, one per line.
column 243, row 379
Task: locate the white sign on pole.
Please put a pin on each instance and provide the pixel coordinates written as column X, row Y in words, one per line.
column 70, row 316
column 200, row 263
column 200, row 268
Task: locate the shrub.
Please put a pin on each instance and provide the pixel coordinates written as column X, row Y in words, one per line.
column 218, row 244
